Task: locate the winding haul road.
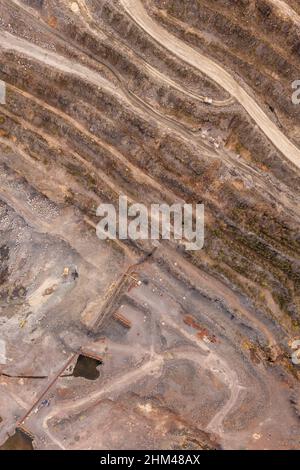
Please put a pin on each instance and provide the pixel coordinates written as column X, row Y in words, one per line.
column 137, row 12
column 286, row 10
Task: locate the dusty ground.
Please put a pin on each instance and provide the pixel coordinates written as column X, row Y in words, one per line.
column 114, row 345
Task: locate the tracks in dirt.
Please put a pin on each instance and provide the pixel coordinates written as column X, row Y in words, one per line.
column 286, row 10
column 132, row 99
column 137, row 12
column 89, row 22
column 10, row 42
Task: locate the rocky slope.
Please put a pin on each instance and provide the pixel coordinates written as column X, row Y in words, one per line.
column 195, row 347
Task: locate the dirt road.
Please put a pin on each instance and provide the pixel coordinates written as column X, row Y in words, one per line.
column 286, row 10
column 137, row 12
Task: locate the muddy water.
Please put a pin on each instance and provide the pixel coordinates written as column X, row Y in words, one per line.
column 19, row 441
column 87, row 367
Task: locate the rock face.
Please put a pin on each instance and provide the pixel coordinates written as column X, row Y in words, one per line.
column 163, row 102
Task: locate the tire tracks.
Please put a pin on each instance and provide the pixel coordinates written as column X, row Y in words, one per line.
column 137, row 12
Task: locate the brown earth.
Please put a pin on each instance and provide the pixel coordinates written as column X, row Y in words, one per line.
column 181, row 349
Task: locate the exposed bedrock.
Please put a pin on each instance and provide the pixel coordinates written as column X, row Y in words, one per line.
column 194, row 347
